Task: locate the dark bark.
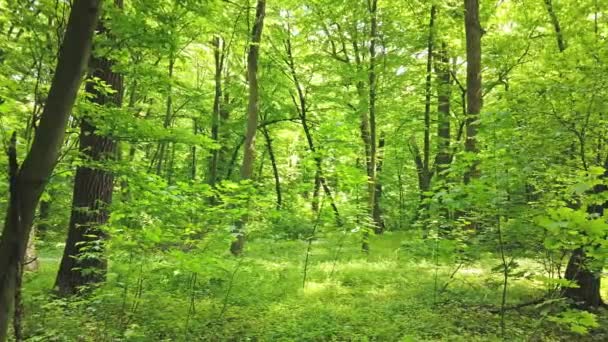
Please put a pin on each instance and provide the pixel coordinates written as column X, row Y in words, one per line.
column 474, row 98
column 443, row 158
column 83, row 262
column 588, row 293
column 41, row 159
column 559, row 35
column 422, row 160
column 252, row 114
column 373, row 141
column 426, row 153
column 218, row 54
column 424, row 177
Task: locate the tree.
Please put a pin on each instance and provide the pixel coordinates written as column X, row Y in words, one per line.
column 374, row 207
column 422, row 160
column 83, row 262
column 474, row 96
column 219, row 57
column 29, row 180
column 444, row 136
column 252, row 113
column 579, row 270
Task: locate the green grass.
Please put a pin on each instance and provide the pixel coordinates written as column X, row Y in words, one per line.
column 391, row 294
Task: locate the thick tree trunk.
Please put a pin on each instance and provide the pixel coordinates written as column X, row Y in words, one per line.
column 579, row 271
column 587, row 294
column 474, row 99
column 39, row 163
column 252, row 114
column 92, row 194
column 83, row 262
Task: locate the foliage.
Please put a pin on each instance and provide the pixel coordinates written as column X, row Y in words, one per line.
column 456, row 260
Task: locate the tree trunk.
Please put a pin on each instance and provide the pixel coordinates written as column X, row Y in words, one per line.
column 31, row 262
column 559, row 36
column 218, row 54
column 162, row 146
column 443, row 158
column 29, row 183
column 377, row 211
column 83, row 262
column 373, row 141
column 422, row 160
column 474, row 99
column 426, row 153
column 424, row 176
column 587, row 294
column 252, row 114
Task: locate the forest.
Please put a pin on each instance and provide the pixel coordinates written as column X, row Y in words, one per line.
column 303, row 170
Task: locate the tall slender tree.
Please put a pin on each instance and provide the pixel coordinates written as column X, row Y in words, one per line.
column 252, row 114
column 29, row 180
column 422, row 161
column 219, row 56
column 373, row 136
column 474, row 97
column 442, row 69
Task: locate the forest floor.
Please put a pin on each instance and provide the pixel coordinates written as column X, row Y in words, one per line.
column 398, row 292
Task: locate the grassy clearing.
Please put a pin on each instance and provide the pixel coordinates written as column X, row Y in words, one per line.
column 392, row 294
